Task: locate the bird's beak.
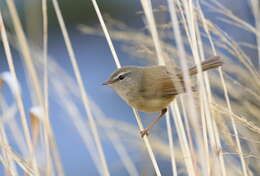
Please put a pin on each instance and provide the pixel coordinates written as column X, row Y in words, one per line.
column 107, row 83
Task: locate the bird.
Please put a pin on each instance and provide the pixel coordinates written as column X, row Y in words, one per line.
column 152, row 88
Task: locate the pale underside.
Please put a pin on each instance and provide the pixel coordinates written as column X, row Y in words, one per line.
column 150, row 105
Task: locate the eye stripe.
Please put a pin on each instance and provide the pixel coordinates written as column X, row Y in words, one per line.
column 120, row 74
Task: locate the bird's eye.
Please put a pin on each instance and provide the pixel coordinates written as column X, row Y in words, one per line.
column 121, row 77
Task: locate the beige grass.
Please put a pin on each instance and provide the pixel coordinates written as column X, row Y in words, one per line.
column 217, row 134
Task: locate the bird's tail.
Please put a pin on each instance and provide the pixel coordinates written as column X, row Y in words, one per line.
column 211, row 63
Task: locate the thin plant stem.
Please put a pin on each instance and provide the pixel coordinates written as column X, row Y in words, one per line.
column 213, row 130
column 81, row 87
column 255, row 5
column 183, row 139
column 16, row 93
column 170, row 138
column 46, row 100
column 147, row 7
column 242, row 159
column 147, row 143
column 187, row 83
column 108, row 38
column 10, row 168
column 229, row 107
column 104, row 28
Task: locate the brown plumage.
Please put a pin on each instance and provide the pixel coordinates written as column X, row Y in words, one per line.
column 152, row 88
column 160, row 86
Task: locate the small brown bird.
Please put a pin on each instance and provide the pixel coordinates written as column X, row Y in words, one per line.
column 152, row 88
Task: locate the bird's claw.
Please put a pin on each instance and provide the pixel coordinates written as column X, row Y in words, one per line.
column 144, row 132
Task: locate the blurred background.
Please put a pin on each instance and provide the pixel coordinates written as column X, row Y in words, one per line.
column 96, row 63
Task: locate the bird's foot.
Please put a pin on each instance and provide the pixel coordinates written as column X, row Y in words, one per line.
column 144, row 132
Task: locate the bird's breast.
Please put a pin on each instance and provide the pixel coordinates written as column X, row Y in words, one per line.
column 151, row 104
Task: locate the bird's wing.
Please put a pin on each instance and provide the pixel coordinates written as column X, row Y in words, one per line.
column 161, row 84
column 169, row 86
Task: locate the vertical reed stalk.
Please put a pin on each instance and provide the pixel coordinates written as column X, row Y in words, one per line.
column 81, row 88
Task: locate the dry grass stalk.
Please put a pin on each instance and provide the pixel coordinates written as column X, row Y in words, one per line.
column 81, row 87
column 188, row 155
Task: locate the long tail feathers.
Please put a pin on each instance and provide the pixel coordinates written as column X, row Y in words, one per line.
column 211, row 63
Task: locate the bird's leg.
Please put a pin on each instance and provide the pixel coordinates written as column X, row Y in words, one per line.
column 146, row 130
